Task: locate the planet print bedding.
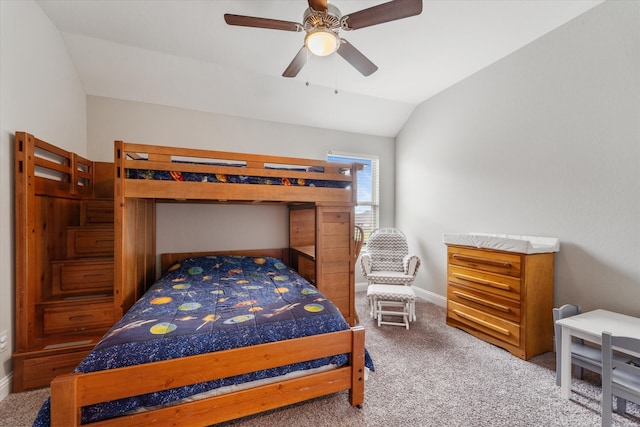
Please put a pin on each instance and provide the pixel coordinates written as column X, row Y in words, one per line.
column 239, row 178
column 207, row 304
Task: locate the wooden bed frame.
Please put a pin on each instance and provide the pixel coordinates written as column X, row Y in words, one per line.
column 328, row 229
column 322, row 218
column 70, row 392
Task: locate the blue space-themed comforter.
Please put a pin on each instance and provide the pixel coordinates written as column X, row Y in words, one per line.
column 207, row 304
column 235, row 178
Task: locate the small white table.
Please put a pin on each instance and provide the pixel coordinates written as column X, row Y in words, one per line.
column 589, row 326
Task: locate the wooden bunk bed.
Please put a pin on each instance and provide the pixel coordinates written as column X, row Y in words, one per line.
column 321, row 248
column 321, row 197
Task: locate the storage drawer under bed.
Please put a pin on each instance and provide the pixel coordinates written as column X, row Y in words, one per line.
column 74, row 318
column 82, row 276
column 90, row 242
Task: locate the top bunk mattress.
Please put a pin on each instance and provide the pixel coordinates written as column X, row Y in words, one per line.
column 285, row 179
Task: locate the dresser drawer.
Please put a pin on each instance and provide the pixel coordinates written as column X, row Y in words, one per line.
column 74, row 318
column 82, row 276
column 494, row 262
column 494, row 326
column 496, row 284
column 89, row 242
column 505, row 308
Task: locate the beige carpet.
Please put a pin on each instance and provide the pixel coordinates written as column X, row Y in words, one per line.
column 430, row 375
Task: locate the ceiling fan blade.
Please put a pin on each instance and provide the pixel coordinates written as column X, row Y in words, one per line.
column 271, row 24
column 296, row 65
column 385, row 12
column 318, row 5
column 354, row 57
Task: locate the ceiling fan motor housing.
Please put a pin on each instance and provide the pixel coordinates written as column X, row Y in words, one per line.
column 329, row 18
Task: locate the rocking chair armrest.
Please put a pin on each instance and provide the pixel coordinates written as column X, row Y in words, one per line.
column 365, row 263
column 411, row 264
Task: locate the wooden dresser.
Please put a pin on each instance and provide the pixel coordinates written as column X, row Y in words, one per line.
column 504, row 298
column 64, row 260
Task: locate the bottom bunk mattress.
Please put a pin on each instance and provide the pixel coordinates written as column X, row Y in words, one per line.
column 208, row 304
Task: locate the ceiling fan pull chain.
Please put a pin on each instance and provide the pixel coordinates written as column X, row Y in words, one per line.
column 306, row 69
column 335, row 72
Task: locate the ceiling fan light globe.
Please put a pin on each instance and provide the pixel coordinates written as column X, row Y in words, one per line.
column 322, row 42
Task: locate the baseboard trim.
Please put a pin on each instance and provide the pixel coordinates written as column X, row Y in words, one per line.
column 361, row 287
column 5, row 386
column 420, row 293
column 430, row 296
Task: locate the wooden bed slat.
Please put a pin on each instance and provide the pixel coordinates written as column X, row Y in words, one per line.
column 145, row 189
column 50, row 165
column 137, row 149
column 72, row 391
column 238, row 404
column 43, row 145
column 141, row 379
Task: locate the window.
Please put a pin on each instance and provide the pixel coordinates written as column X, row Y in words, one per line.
column 367, row 206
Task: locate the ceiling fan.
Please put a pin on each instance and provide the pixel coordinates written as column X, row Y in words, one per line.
column 323, row 23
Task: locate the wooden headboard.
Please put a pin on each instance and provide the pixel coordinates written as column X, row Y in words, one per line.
column 168, row 259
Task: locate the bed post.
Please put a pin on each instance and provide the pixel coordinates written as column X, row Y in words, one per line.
column 356, row 393
column 25, row 238
column 119, row 274
column 135, row 250
column 64, row 397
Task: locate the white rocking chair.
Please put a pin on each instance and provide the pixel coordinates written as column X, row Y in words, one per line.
column 390, row 272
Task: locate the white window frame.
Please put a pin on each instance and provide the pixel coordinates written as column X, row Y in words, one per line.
column 361, row 205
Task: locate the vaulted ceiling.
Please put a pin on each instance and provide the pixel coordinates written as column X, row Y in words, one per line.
column 182, row 53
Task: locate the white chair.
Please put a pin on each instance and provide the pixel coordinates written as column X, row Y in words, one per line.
column 619, row 378
column 358, row 241
column 392, row 300
column 582, row 356
column 390, row 272
column 358, row 238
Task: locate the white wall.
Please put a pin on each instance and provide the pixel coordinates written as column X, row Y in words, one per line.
column 219, row 227
column 41, row 94
column 544, row 142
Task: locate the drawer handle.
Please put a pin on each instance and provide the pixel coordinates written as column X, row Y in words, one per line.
column 487, row 261
column 482, row 301
column 81, row 317
column 485, row 282
column 498, row 329
column 104, row 241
